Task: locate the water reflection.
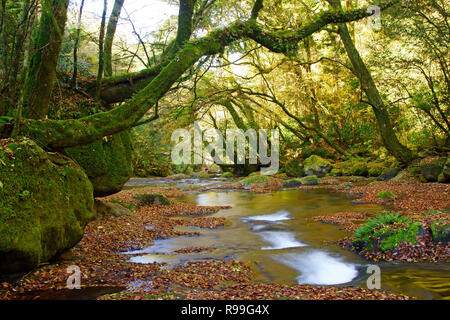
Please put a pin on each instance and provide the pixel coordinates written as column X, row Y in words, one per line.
column 273, row 232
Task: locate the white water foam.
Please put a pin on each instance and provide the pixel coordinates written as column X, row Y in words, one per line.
column 278, row 216
column 320, row 268
column 280, row 240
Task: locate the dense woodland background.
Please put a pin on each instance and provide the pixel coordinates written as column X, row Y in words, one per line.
column 346, row 91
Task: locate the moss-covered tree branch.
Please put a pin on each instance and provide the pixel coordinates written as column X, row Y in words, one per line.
column 68, row 133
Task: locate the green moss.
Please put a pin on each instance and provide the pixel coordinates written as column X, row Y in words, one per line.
column 201, row 175
column 385, row 195
column 260, row 180
column 310, row 179
column 392, row 238
column 336, row 172
column 440, row 232
column 294, row 168
column 315, row 162
column 380, row 232
column 188, row 171
column 44, row 206
column 376, row 169
column 227, row 175
column 107, row 162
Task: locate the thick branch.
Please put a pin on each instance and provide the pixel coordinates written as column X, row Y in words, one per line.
column 119, row 89
column 69, row 133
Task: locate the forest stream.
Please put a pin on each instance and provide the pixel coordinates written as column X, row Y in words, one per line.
column 273, row 233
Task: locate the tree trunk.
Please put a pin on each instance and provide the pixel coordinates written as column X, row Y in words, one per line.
column 390, row 140
column 42, row 69
column 17, row 57
column 110, row 32
column 119, row 89
column 101, row 51
column 73, row 81
column 59, row 134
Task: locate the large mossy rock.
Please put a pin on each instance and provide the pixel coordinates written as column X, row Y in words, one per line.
column 430, row 171
column 105, row 210
column 46, row 200
column 445, row 175
column 317, row 166
column 294, row 169
column 107, row 162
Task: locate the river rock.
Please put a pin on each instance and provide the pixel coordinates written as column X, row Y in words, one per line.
column 293, row 183
column 445, row 175
column 310, row 181
column 430, row 172
column 46, row 200
column 389, row 174
column 441, row 234
column 317, row 166
column 107, row 162
column 104, row 210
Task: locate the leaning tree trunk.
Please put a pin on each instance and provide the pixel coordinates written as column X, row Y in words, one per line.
column 388, row 135
column 110, row 32
column 42, row 69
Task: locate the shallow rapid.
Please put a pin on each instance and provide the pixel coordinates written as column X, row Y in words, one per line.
column 274, row 233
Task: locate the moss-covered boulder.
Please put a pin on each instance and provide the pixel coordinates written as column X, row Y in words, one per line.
column 310, row 180
column 256, row 180
column 375, row 169
column 214, row 169
column 317, row 166
column 107, row 162
column 385, row 195
column 179, row 176
column 227, row 175
column 294, row 168
column 292, row 183
column 440, row 233
column 46, row 200
column 430, row 171
column 357, row 168
column 104, row 210
column 386, row 232
column 445, row 175
column 389, row 174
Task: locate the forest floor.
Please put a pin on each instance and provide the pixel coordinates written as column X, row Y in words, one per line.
column 100, row 254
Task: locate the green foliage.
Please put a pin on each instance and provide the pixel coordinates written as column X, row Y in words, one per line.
column 294, row 168
column 227, row 175
column 309, row 179
column 385, row 195
column 376, row 169
column 151, row 155
column 257, row 179
column 386, row 231
column 25, row 195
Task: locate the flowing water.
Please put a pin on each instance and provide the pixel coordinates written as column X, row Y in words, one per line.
column 274, row 234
